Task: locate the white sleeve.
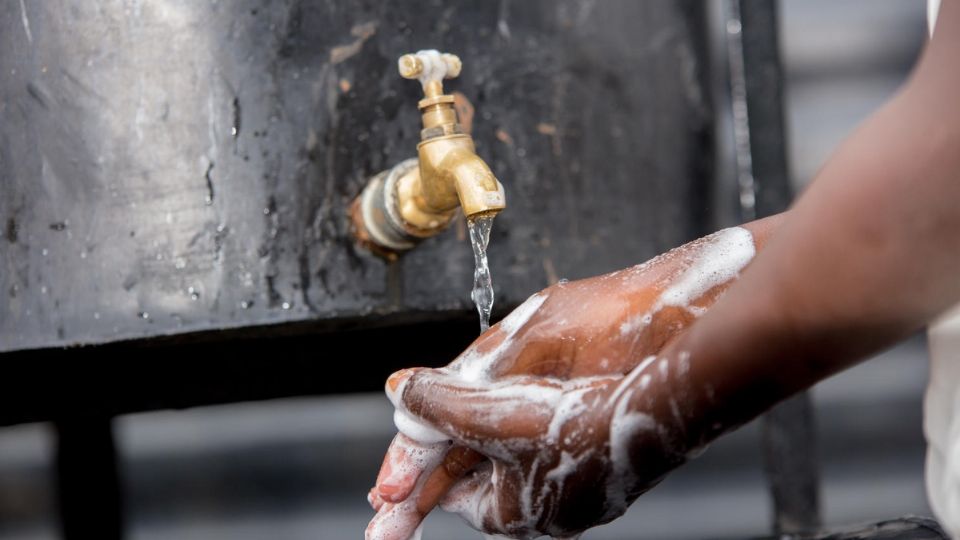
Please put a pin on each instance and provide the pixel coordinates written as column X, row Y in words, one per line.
column 933, row 7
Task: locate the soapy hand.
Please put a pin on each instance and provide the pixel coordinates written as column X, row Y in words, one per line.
column 567, row 334
column 561, row 455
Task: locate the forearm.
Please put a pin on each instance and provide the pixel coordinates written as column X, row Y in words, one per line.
column 867, row 256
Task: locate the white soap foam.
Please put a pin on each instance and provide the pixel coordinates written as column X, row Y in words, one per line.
column 721, row 258
column 571, row 406
column 684, row 361
column 474, row 366
column 395, row 519
column 624, row 427
column 415, row 429
column 628, row 380
column 715, row 260
column 519, row 317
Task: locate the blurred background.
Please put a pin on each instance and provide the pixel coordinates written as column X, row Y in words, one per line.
column 300, row 468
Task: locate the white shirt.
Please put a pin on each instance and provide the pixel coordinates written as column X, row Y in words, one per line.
column 941, row 424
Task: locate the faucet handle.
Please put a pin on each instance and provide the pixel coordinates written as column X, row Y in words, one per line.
column 429, row 65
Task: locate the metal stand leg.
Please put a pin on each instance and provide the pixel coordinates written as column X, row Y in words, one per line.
column 790, row 462
column 756, row 82
column 87, row 479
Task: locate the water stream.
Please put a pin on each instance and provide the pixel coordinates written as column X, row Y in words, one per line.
column 482, row 293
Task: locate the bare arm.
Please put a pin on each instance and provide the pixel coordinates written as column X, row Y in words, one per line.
column 869, row 254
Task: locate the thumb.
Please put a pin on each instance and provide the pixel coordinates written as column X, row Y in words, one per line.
column 475, row 413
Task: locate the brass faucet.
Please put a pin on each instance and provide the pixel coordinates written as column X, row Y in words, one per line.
column 418, row 198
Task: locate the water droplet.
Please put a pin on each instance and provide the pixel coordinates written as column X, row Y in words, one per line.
column 83, row 254
column 143, row 315
column 44, row 252
column 194, row 293
column 246, row 304
column 43, row 289
column 180, row 263
column 266, row 211
column 96, row 315
column 285, row 305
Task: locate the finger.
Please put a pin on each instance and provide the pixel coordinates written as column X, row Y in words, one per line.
column 458, row 461
column 470, row 497
column 394, row 522
column 475, row 412
column 399, row 521
column 385, row 466
column 374, row 499
column 489, row 499
column 402, row 467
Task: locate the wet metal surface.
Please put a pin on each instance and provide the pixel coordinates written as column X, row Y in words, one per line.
column 184, row 166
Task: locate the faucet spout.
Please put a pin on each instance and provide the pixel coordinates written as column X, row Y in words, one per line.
column 479, row 190
column 452, row 174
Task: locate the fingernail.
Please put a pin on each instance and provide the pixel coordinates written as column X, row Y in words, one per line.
column 388, row 491
column 376, row 501
column 398, row 378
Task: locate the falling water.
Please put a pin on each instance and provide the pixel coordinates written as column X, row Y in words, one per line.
column 482, row 293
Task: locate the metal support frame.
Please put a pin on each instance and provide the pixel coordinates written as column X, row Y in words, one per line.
column 88, row 482
column 756, row 80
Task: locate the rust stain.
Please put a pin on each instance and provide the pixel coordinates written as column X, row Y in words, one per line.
column 345, row 85
column 550, row 271
column 365, row 30
column 547, row 129
column 504, row 137
column 362, row 32
column 551, row 131
column 359, row 231
column 464, row 110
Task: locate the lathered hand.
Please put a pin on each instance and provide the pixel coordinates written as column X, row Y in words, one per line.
column 603, row 326
column 561, row 454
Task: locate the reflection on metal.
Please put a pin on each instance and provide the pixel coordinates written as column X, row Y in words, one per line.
column 408, row 203
column 741, row 118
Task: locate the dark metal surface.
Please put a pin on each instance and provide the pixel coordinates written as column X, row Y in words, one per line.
column 171, row 167
column 88, row 486
column 791, row 464
column 905, row 528
column 789, row 432
column 225, row 366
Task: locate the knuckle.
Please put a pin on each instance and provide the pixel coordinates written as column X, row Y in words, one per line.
column 459, row 461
